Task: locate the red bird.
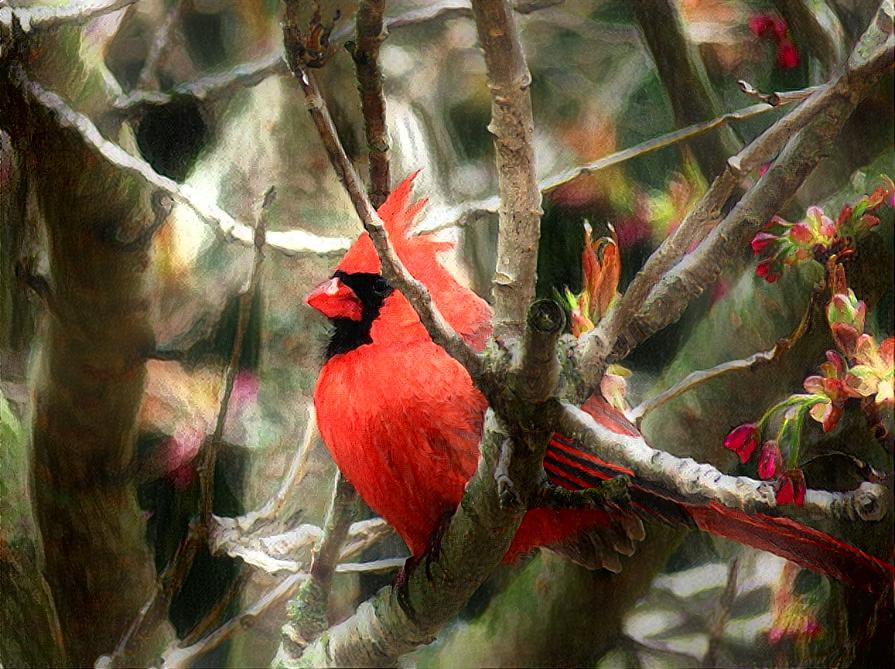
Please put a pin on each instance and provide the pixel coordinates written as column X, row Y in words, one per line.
column 403, row 420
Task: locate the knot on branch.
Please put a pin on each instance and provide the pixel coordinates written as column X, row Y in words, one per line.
column 869, row 501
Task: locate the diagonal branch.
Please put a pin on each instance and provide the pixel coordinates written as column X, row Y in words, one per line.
column 289, row 242
column 658, row 295
column 47, row 18
column 392, row 267
column 699, row 269
column 370, row 36
column 470, row 211
column 700, row 376
column 512, row 125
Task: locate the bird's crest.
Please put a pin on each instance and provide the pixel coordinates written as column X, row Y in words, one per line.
column 398, row 212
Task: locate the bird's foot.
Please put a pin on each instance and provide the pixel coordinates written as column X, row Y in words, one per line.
column 431, row 554
column 611, row 493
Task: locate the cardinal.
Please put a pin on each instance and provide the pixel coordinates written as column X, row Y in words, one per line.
column 403, row 420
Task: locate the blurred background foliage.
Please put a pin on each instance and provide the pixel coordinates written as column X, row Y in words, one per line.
column 596, row 89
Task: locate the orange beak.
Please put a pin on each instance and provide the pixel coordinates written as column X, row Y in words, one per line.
column 334, row 299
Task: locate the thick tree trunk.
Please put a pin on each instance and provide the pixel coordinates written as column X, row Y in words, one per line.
column 89, row 377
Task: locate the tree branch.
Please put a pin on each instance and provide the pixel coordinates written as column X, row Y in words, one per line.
column 512, row 125
column 370, row 35
column 207, row 458
column 392, row 268
column 685, row 79
column 697, row 378
column 699, row 269
column 48, row 18
column 470, row 211
column 289, row 242
column 308, row 607
column 177, row 657
column 176, row 572
column 149, row 74
column 699, row 483
column 639, row 313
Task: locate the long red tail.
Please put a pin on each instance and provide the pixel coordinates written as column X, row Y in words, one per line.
column 573, row 466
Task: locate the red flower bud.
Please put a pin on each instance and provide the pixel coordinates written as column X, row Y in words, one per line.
column 791, row 488
column 761, row 24
column 743, row 440
column 761, row 241
column 770, row 460
column 768, row 270
column 787, row 55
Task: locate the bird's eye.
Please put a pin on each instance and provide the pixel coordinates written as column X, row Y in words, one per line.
column 381, row 287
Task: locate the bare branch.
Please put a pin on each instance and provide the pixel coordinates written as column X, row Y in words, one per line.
column 47, row 18
column 149, row 75
column 699, row 377
column 275, row 554
column 470, row 211
column 776, row 98
column 512, row 125
column 685, row 79
column 699, row 269
column 370, row 35
column 207, row 458
column 392, row 267
column 252, row 521
column 639, row 314
column 308, row 607
column 183, row 657
column 222, row 84
column 699, row 483
column 210, row 87
column 289, row 242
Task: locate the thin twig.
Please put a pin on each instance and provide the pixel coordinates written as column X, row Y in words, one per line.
column 289, row 242
column 776, row 98
column 177, row 570
column 222, row 84
column 148, row 74
column 207, row 88
column 207, row 458
column 470, row 211
column 47, row 18
column 512, row 125
column 308, row 608
column 725, row 604
column 392, row 267
column 182, row 657
column 370, row 36
column 252, row 521
column 701, row 376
